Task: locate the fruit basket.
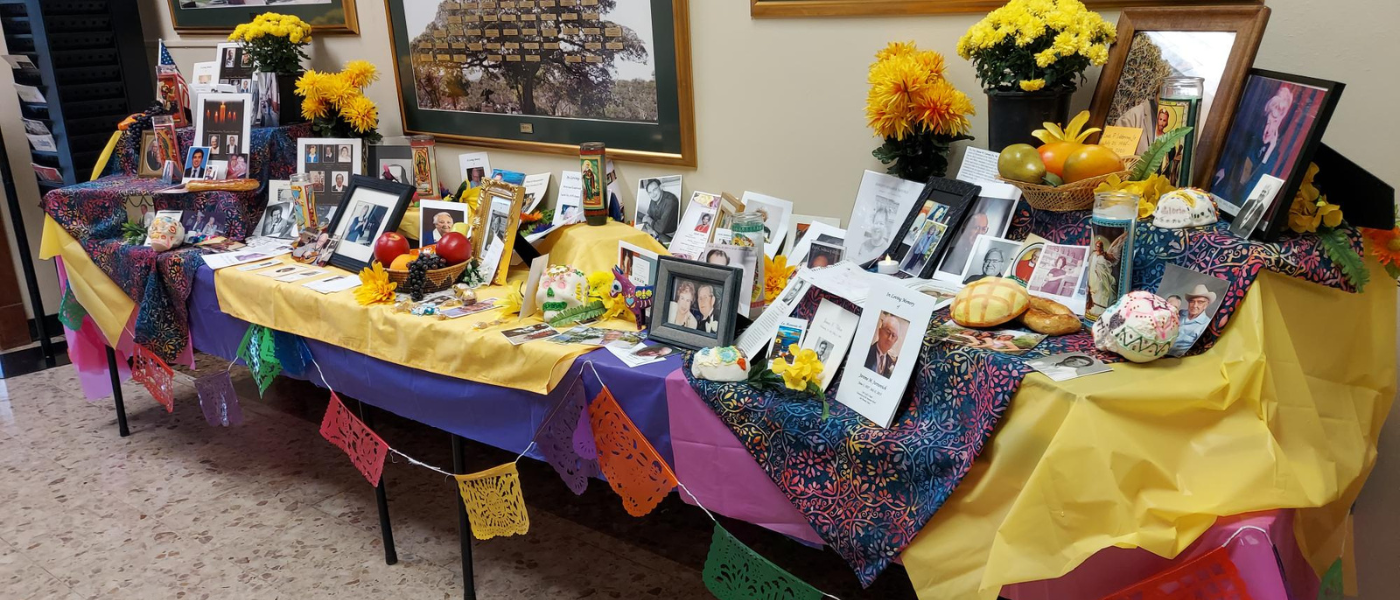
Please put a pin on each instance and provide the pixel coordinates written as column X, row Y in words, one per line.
column 436, row 279
column 1070, row 196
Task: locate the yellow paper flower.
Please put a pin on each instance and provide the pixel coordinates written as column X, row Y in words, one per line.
column 1148, row 191
column 360, row 73
column 512, row 302
column 1310, row 209
column 375, row 286
column 776, row 274
column 803, row 369
column 314, row 107
column 1031, row 85
column 361, row 114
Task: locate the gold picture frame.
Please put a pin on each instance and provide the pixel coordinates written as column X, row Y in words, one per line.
column 868, row 8
column 339, row 17
column 485, row 226
column 671, row 138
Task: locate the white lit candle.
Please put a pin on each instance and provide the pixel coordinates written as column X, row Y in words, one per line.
column 888, row 266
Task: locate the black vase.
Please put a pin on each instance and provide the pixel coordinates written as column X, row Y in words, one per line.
column 289, row 103
column 1012, row 116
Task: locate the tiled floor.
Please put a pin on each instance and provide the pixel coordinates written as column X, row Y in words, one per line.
column 270, row 510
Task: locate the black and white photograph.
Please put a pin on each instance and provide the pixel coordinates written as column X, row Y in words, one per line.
column 369, row 208
column 1195, row 296
column 279, row 219
column 990, row 257
column 696, row 303
column 988, row 216
column 824, row 254
column 1068, row 365
column 221, row 118
column 196, row 162
column 320, row 159
column 659, row 207
column 1257, row 206
column 829, row 335
column 495, row 225
column 882, row 202
column 437, row 218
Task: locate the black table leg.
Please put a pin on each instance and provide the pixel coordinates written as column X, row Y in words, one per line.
column 464, row 526
column 117, row 392
column 381, row 498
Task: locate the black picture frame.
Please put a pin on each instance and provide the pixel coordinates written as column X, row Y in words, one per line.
column 343, row 257
column 669, row 268
column 1239, row 148
column 957, row 195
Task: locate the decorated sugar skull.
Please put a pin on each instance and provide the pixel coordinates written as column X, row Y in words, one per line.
column 165, row 233
column 1186, row 207
column 1140, row 326
column 563, row 296
column 723, row 363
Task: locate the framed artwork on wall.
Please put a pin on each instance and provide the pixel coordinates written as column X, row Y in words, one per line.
column 221, row 16
column 1215, row 43
column 548, row 75
column 860, row 8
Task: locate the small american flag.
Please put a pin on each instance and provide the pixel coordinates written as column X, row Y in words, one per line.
column 165, row 58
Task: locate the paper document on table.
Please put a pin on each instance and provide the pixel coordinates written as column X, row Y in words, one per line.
column 979, row 167
column 761, row 332
column 845, row 279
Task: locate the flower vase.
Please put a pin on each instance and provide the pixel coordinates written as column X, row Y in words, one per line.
column 1012, row 116
column 289, row 103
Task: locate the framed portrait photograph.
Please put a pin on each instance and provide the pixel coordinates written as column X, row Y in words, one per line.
column 1277, row 129
column 988, row 215
column 1215, row 43
column 221, row 16
column 659, row 207
column 548, row 76
column 942, row 206
column 437, row 218
column 682, row 286
column 279, row 218
column 494, row 227
column 369, row 208
column 223, row 123
column 329, row 162
column 152, row 157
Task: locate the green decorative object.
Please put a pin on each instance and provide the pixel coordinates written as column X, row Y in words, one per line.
column 259, row 352
column 70, row 312
column 1331, row 586
column 577, row 314
column 1156, row 153
column 734, row 571
column 1338, row 246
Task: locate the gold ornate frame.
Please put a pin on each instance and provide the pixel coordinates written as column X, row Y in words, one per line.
column 867, row 8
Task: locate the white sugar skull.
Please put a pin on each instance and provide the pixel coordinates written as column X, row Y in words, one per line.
column 1140, row 326
column 723, row 363
column 1186, row 207
column 561, row 288
column 165, row 232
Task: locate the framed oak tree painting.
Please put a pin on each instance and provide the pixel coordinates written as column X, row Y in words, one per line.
column 548, row 75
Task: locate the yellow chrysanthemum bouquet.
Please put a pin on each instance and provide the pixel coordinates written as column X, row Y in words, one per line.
column 1032, row 45
column 917, row 112
column 336, row 103
column 274, row 41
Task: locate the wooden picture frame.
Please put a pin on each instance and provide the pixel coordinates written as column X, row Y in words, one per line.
column 669, row 271
column 355, row 247
column 957, row 196
column 497, row 193
column 338, row 17
column 867, row 8
column 1309, row 103
column 1246, row 22
column 488, row 40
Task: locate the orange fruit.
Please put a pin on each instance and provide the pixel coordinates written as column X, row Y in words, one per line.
column 1092, row 160
column 401, row 263
column 1054, row 155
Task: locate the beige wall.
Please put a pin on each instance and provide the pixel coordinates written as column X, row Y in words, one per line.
column 779, row 111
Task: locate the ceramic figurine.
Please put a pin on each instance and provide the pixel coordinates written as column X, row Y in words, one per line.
column 165, row 233
column 1186, row 207
column 1140, row 326
column 723, row 363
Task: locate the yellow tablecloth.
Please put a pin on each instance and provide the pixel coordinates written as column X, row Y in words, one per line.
column 1283, row 412
column 447, row 347
column 109, row 306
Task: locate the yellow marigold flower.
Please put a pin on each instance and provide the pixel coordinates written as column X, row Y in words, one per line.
column 375, row 286
column 360, row 73
column 314, row 107
column 893, row 82
column 887, row 123
column 1031, row 85
column 942, row 109
column 361, row 113
column 776, row 273
column 895, row 49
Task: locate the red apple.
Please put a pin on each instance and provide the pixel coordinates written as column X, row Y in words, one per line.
column 389, row 246
column 455, row 248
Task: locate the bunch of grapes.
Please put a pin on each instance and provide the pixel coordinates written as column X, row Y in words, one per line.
column 418, row 274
